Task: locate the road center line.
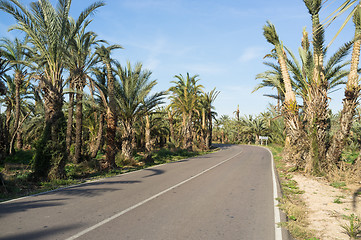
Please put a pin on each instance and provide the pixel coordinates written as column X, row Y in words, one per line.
column 146, row 200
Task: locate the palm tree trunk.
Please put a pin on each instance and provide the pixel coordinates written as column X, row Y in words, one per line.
column 111, row 118
column 188, row 141
column 148, row 142
column 100, row 138
column 171, row 127
column 316, row 103
column 17, row 80
column 204, row 130
column 290, row 113
column 69, row 127
column 210, row 130
column 111, row 131
column 127, row 141
column 134, row 139
column 350, row 102
column 79, row 125
column 50, row 156
column 3, row 139
column 316, row 112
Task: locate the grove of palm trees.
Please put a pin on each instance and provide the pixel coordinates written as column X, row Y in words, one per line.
column 69, row 105
column 70, row 110
column 316, row 137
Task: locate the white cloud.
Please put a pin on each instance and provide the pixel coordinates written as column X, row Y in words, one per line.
column 151, row 63
column 203, row 68
column 251, row 53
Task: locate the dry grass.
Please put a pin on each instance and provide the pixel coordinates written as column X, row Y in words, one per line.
column 291, row 202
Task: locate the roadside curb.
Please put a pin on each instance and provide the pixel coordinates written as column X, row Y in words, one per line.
column 280, row 216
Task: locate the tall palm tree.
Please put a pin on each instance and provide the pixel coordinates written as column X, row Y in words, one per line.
column 81, row 59
column 171, row 115
column 104, row 54
column 4, row 67
column 3, row 134
column 15, row 53
column 313, row 89
column 290, row 107
column 9, row 101
column 99, row 96
column 352, row 93
column 272, row 78
column 185, row 96
column 207, row 116
column 133, row 100
column 48, row 31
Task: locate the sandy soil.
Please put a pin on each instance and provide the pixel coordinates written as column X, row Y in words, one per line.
column 326, row 216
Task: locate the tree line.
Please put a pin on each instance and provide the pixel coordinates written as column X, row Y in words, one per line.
column 68, row 100
column 314, row 142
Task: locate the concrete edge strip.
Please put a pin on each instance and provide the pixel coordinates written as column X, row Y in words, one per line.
column 277, row 213
column 146, row 200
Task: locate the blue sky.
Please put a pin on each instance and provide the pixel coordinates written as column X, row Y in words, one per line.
column 221, row 41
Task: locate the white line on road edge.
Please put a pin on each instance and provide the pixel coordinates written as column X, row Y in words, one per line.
column 277, row 214
column 145, row 201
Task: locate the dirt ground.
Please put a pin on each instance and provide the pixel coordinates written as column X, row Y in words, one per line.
column 328, row 206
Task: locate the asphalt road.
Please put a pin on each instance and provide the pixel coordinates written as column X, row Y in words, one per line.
column 224, row 195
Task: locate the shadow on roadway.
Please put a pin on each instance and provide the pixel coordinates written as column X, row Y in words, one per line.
column 223, row 146
column 89, row 190
column 44, row 233
column 13, row 207
column 155, row 172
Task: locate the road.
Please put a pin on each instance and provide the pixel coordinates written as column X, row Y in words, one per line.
column 228, row 194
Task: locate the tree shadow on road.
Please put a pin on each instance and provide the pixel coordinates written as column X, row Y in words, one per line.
column 155, row 172
column 44, row 233
column 21, row 206
column 93, row 189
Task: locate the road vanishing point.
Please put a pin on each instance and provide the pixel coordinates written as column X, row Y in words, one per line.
column 228, row 194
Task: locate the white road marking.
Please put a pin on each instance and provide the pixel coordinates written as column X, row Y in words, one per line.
column 277, row 214
column 145, row 201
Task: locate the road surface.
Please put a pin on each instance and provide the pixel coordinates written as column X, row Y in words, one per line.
column 228, row 194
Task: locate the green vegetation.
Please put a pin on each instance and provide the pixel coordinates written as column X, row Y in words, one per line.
column 291, row 202
column 353, row 228
column 318, row 141
column 72, row 111
column 337, row 200
column 338, row 184
column 17, row 173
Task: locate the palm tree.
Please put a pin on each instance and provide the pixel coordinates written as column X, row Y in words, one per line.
column 185, row 97
column 100, row 105
column 272, row 78
column 254, row 126
column 313, row 89
column 14, row 52
column 269, row 31
column 48, row 31
column 290, row 107
column 104, row 54
column 3, row 69
column 352, row 92
column 208, row 115
column 3, row 128
column 171, row 113
column 155, row 131
column 81, row 59
column 9, row 101
column 133, row 100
